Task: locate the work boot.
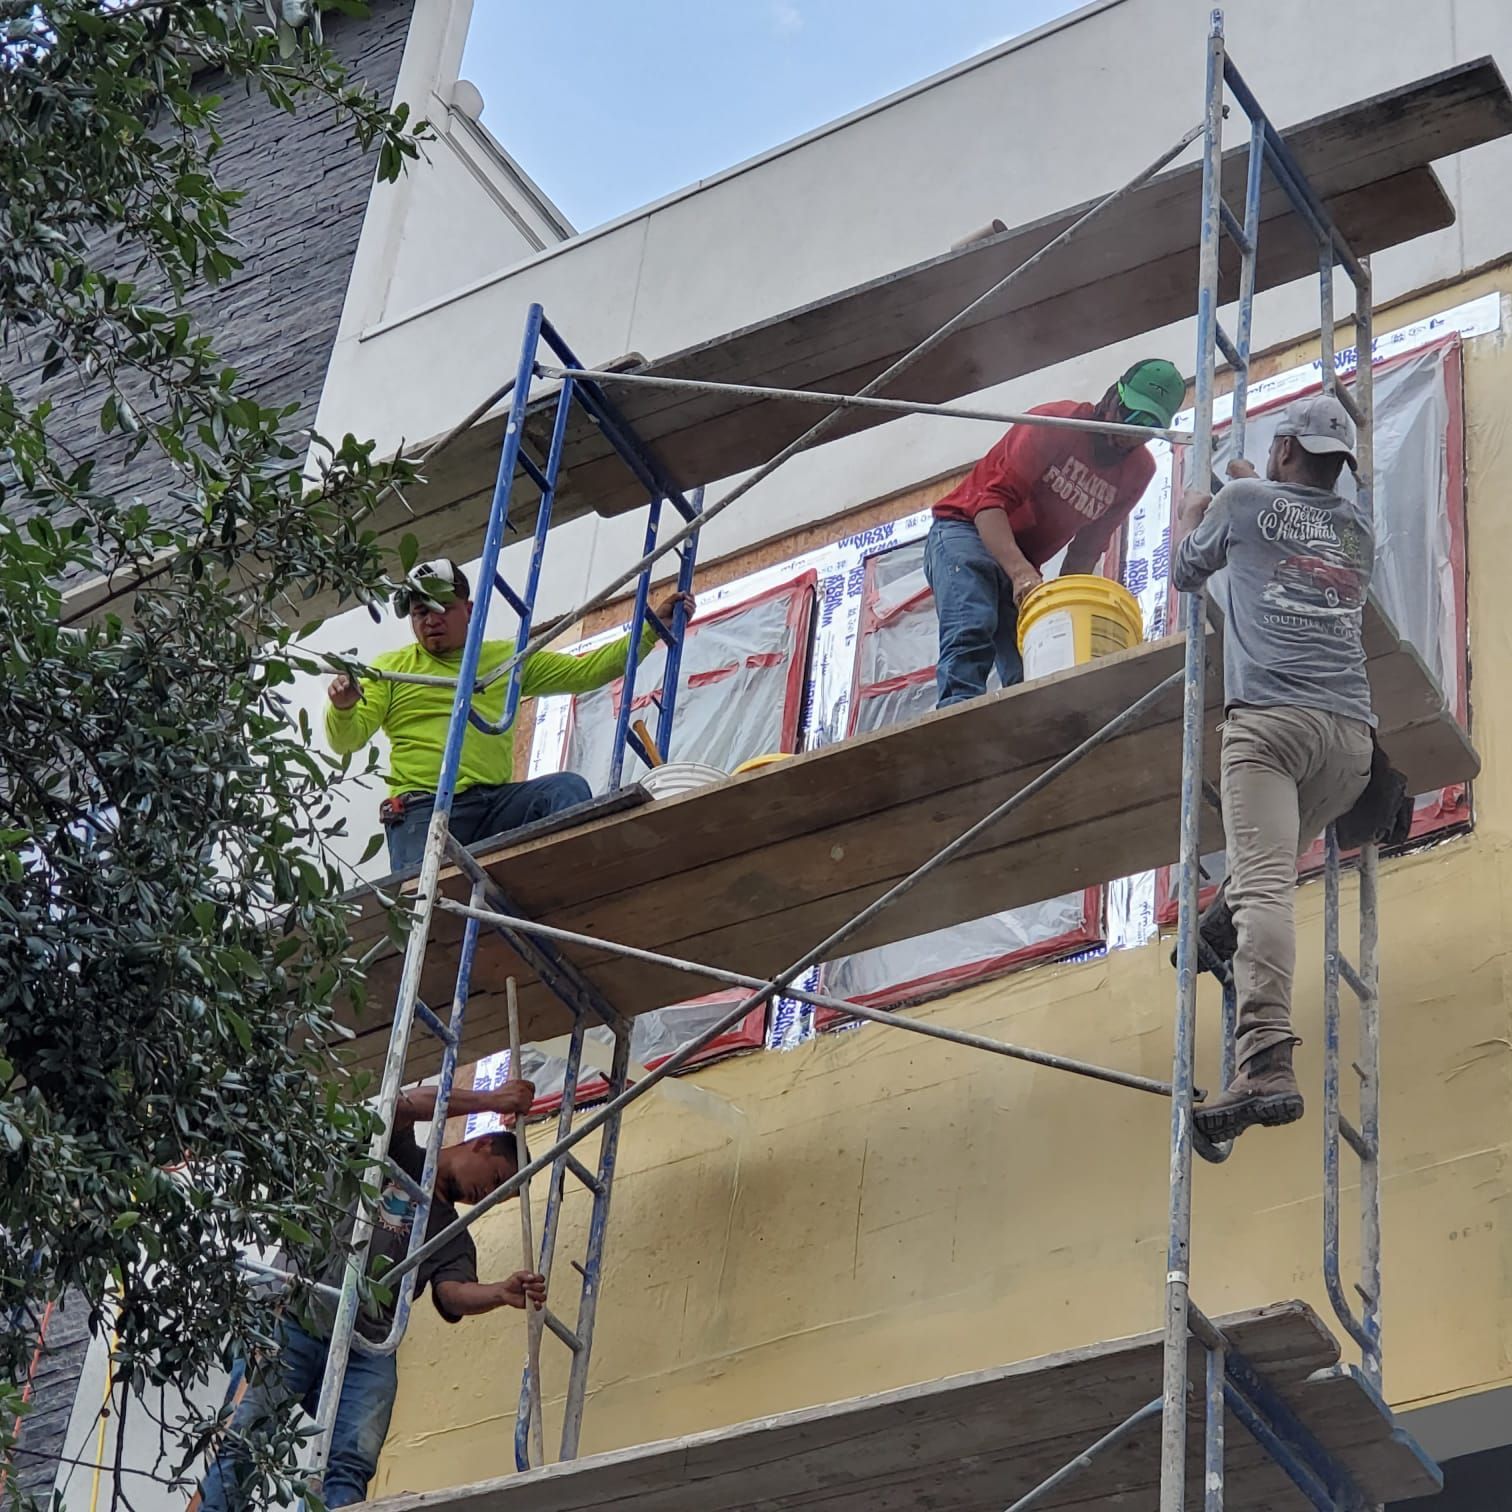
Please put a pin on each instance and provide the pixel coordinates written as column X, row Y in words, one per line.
column 1263, row 1091
column 1217, row 931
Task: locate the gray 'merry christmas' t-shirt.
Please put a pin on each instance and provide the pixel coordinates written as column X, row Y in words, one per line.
column 1298, row 563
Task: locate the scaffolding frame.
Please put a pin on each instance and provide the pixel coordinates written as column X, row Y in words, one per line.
column 586, row 1004
column 1228, row 1381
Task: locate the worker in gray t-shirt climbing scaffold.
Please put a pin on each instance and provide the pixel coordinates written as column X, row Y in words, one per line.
column 1297, row 736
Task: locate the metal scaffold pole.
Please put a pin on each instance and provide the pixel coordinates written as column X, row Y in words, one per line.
column 1364, row 1138
column 1178, row 1239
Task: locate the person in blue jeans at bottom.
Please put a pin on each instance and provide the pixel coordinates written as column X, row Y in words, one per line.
column 1038, row 490
column 466, row 1173
column 437, row 600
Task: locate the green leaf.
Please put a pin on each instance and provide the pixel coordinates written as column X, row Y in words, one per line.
column 294, row 1232
column 125, row 1221
column 374, row 845
column 409, row 550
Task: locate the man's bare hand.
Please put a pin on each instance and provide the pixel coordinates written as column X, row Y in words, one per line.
column 344, row 692
column 466, row 1299
column 522, row 1287
column 1239, row 468
column 513, row 1097
column 1194, row 505
column 1025, row 582
column 668, row 606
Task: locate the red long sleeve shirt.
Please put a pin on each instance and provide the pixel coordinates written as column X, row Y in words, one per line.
column 1049, row 484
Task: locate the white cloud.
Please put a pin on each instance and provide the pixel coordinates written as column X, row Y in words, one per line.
column 786, row 17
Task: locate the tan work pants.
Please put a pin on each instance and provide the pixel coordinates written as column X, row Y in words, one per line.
column 1286, row 774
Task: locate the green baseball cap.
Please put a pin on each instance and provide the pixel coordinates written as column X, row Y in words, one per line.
column 1153, row 388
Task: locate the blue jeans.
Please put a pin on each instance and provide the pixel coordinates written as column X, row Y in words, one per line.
column 978, row 618
column 478, row 812
column 362, row 1421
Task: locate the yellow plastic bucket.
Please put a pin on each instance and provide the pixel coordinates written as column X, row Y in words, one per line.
column 1071, row 620
column 756, row 763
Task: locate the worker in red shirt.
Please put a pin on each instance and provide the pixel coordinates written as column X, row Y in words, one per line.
column 1039, row 489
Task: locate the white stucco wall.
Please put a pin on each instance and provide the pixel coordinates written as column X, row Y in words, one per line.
column 1027, row 129
column 463, row 211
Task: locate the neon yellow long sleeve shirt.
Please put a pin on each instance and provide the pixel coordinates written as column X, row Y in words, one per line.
column 415, row 718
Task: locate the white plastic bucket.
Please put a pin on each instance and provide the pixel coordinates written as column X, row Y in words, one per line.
column 679, row 777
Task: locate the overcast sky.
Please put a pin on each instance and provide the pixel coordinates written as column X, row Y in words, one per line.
column 610, row 104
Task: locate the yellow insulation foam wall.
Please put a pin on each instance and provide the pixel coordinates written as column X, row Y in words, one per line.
column 891, row 1209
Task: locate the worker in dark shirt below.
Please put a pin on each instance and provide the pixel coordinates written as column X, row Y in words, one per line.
column 1038, row 490
column 466, row 1173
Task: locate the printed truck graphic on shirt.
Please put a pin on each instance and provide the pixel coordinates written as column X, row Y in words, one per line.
column 1304, row 584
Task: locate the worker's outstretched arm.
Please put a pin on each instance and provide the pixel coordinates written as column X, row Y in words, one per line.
column 997, row 536
column 1202, row 532
column 418, row 1104
column 560, row 672
column 355, row 712
column 1201, row 540
column 466, row 1299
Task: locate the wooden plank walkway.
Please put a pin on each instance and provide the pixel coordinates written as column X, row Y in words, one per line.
column 747, row 874
column 977, row 1442
column 1133, row 270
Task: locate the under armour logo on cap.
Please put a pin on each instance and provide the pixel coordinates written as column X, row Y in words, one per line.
column 1320, row 425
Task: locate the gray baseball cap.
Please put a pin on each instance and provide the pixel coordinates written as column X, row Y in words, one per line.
column 1321, row 425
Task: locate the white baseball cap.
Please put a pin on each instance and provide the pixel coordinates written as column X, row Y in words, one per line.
column 437, row 584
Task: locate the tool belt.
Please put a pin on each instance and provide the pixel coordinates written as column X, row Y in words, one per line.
column 1383, row 811
column 392, row 810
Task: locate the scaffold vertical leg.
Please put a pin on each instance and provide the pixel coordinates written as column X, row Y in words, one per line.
column 1178, row 1243
column 1364, row 1140
column 1212, row 1456
column 1369, row 1069
column 555, row 1196
column 1368, row 1065
column 592, row 1268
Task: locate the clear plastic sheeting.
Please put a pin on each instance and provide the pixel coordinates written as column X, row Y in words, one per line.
column 739, row 694
column 899, row 631
column 653, row 1038
column 963, row 953
column 1414, row 566
column 897, row 643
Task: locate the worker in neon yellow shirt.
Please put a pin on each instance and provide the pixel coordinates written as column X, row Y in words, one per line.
column 488, row 802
